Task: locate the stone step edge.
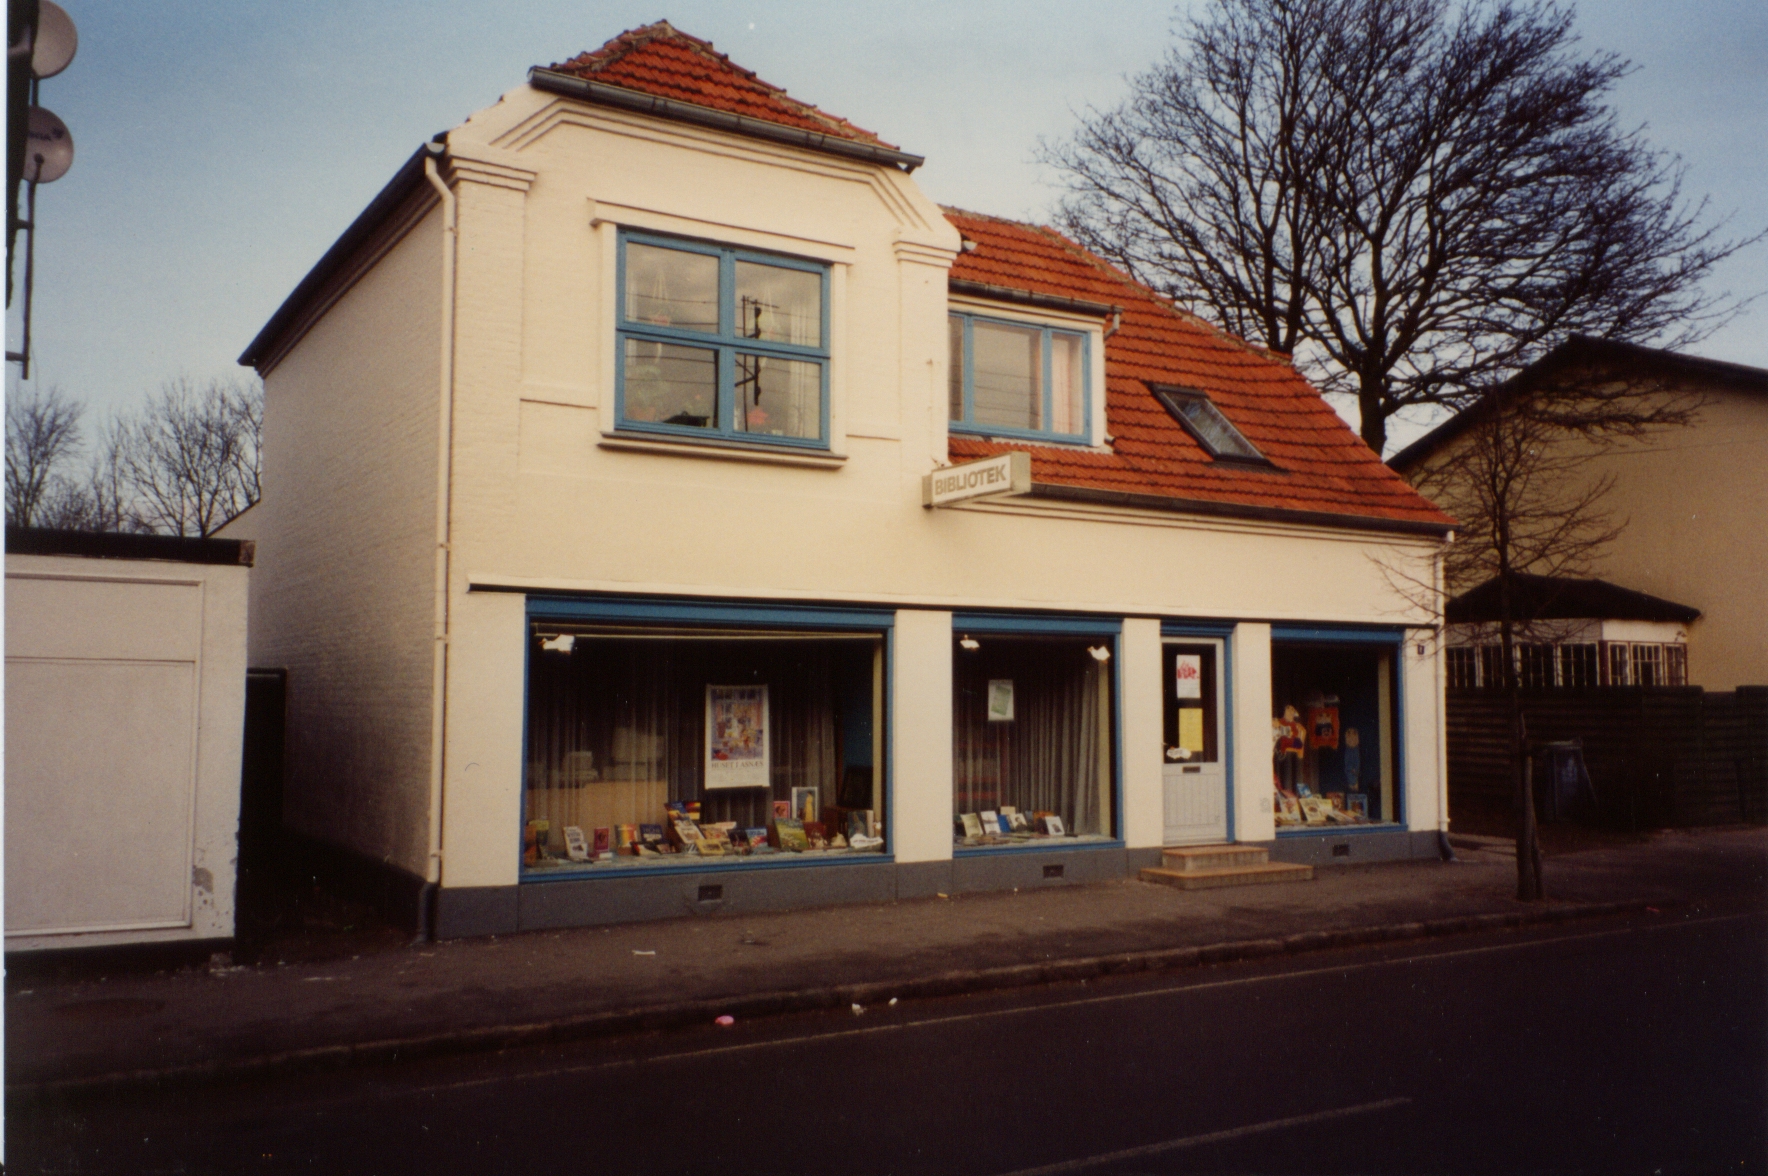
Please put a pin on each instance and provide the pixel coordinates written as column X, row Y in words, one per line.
column 1189, row 854
column 702, row 1012
column 1259, row 871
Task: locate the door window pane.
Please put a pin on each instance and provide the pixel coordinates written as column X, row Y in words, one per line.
column 779, row 304
column 671, row 385
column 671, row 288
column 779, row 397
column 1008, row 376
column 1190, row 720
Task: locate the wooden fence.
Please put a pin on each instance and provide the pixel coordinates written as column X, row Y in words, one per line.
column 1658, row 755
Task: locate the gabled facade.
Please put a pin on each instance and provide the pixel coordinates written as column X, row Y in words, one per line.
column 1690, row 498
column 598, row 543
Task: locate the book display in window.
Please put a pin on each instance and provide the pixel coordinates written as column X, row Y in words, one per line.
column 1032, row 740
column 1333, row 745
column 683, row 746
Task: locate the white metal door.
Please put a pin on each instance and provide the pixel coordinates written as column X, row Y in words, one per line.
column 1194, row 773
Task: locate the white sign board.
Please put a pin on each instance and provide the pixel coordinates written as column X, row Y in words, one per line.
column 1188, row 675
column 1006, row 473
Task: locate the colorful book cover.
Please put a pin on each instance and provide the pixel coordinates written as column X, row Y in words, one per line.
column 788, row 834
column 1358, row 803
column 972, row 824
column 604, row 840
column 782, row 808
column 757, row 838
column 859, row 824
column 576, row 846
column 651, row 835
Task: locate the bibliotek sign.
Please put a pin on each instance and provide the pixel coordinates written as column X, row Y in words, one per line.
column 1007, row 473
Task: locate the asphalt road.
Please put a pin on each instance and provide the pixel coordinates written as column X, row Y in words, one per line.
column 1632, row 1047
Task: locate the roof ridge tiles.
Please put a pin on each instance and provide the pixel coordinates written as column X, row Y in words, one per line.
column 623, row 61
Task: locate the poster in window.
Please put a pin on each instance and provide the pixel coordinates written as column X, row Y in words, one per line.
column 737, row 750
column 1188, row 675
column 1000, row 700
column 1191, row 729
column 1323, row 726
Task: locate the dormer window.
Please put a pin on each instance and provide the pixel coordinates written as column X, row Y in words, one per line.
column 1206, row 424
column 1018, row 379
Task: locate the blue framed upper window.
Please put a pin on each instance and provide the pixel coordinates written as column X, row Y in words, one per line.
column 722, row 342
column 1018, row 379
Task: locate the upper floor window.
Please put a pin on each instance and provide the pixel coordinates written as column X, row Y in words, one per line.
column 1205, row 422
column 1018, row 379
column 722, row 341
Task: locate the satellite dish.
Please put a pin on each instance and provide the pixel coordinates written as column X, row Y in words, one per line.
column 56, row 40
column 49, row 149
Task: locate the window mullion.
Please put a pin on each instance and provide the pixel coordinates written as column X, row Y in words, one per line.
column 729, row 329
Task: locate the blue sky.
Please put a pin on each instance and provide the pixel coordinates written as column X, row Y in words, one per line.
column 222, row 147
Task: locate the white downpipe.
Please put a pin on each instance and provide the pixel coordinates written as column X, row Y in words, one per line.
column 444, row 460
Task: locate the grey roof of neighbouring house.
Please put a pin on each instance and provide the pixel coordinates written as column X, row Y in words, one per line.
column 1558, row 598
column 1587, row 351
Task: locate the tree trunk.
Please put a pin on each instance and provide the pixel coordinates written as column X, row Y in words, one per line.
column 1528, row 848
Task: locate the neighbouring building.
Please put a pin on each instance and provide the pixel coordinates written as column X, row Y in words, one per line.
column 668, row 508
column 1572, row 635
column 125, row 704
column 1691, row 499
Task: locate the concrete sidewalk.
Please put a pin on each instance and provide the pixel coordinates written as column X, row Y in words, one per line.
column 203, row 1024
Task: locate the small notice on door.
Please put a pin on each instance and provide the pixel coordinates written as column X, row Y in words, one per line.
column 1188, row 675
column 1191, row 729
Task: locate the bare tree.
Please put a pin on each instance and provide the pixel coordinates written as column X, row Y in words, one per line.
column 42, row 440
column 1522, row 481
column 1413, row 198
column 191, row 457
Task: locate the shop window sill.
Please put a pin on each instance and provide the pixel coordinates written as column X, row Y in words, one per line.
column 694, row 864
column 640, row 442
column 1041, row 844
column 1340, row 830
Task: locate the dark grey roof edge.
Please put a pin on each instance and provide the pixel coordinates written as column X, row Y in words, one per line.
column 1586, row 347
column 407, row 178
column 115, row 545
column 1559, row 598
column 603, row 94
column 1238, row 510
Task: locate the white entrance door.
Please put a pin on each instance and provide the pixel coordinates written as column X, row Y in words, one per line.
column 1194, row 772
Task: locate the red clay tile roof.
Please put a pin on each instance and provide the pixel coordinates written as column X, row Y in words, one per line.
column 660, row 60
column 1322, row 466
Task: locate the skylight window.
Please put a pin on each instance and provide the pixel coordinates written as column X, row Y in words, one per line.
column 1205, row 422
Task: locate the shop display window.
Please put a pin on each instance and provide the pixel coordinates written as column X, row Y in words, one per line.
column 655, row 748
column 1032, row 742
column 1333, row 734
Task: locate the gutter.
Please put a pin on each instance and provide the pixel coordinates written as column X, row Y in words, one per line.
column 1236, row 510
column 444, row 457
column 1033, row 298
column 605, row 95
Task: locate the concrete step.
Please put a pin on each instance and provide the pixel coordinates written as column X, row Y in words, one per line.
column 1211, row 857
column 1259, row 874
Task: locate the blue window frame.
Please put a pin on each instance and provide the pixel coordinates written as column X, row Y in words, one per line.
column 1016, row 379
column 725, row 343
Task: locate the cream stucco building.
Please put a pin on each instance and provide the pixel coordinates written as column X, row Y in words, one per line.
column 597, row 459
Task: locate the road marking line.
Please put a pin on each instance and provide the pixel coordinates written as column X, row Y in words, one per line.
column 1155, row 1149
column 1078, row 1002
